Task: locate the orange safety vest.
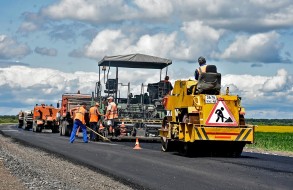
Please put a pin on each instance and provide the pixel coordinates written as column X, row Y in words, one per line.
column 203, row 69
column 94, row 116
column 113, row 112
column 79, row 114
column 165, row 100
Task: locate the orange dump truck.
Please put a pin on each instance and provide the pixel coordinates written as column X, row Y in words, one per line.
column 68, row 103
column 45, row 117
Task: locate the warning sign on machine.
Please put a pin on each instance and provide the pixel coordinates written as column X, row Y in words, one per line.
column 221, row 116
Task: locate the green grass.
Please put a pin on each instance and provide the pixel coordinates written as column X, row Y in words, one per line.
column 9, row 119
column 273, row 141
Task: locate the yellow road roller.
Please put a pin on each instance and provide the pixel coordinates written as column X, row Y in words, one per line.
column 202, row 120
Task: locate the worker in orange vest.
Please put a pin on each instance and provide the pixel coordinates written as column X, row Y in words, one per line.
column 79, row 121
column 94, row 119
column 167, row 91
column 111, row 114
column 73, row 113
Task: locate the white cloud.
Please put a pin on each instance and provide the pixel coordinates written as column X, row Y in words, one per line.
column 263, row 93
column 226, row 14
column 106, row 42
column 263, row 47
column 35, row 85
column 10, row 48
column 277, row 83
column 200, row 39
column 90, row 10
column 41, row 85
column 153, row 8
column 114, row 42
column 198, row 27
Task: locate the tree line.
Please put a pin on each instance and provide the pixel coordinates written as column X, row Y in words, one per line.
column 272, row 122
column 8, row 118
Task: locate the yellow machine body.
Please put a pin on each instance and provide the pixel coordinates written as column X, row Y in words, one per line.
column 196, row 117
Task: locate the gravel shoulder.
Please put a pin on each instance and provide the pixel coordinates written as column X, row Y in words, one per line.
column 24, row 167
column 278, row 153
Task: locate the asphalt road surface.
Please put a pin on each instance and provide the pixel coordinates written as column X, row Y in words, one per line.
column 149, row 168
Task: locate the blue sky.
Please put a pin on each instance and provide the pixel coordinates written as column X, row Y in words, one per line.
column 51, row 47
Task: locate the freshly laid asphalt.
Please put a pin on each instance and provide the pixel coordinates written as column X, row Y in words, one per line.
column 149, row 168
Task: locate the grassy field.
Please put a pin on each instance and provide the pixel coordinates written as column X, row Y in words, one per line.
column 8, row 119
column 275, row 141
column 276, row 138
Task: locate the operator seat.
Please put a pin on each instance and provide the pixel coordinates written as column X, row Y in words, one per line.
column 111, row 87
column 209, row 82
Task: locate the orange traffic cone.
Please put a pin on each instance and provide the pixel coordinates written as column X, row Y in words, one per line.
column 137, row 147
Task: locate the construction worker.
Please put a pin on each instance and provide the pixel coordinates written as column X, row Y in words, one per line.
column 79, row 121
column 73, row 113
column 94, row 119
column 111, row 114
column 167, row 90
column 202, row 67
column 168, row 86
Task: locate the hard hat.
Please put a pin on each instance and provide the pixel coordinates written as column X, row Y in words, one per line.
column 97, row 104
column 110, row 98
column 201, row 60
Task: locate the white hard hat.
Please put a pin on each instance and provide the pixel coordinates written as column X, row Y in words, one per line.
column 110, row 98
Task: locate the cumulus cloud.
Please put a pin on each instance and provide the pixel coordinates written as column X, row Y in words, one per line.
column 91, row 10
column 46, row 51
column 200, row 39
column 153, row 8
column 263, row 47
column 263, row 93
column 41, row 85
column 10, row 48
column 255, row 16
column 260, row 94
column 279, row 82
column 189, row 28
column 116, row 42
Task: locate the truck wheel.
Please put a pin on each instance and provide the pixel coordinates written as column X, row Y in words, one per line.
column 38, row 129
column 20, row 124
column 185, row 149
column 55, row 129
column 237, row 151
column 67, row 131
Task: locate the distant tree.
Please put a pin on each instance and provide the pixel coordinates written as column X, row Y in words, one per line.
column 271, row 122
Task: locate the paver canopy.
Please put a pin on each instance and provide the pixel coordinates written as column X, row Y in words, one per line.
column 135, row 61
